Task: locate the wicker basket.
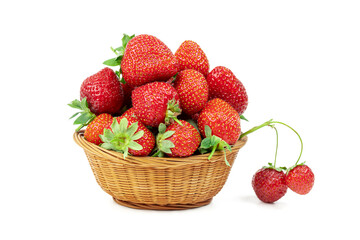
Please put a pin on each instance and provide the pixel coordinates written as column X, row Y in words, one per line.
column 159, row 183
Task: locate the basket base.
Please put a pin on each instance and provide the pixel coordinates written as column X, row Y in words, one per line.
column 162, row 207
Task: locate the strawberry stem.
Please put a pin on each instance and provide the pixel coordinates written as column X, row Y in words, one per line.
column 297, row 135
column 269, row 123
column 277, row 143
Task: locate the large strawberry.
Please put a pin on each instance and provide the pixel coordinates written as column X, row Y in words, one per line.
column 96, row 128
column 300, row 179
column 177, row 140
column 224, row 84
column 191, row 56
column 155, row 103
column 219, row 124
column 128, row 135
column 103, row 92
column 193, row 91
column 269, row 184
column 147, row 59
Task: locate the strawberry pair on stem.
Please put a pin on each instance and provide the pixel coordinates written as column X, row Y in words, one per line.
column 270, row 183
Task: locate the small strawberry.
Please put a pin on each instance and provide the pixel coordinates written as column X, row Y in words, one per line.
column 177, row 140
column 222, row 119
column 269, row 184
column 96, row 128
column 128, row 135
column 155, row 103
column 191, row 56
column 300, row 179
column 193, row 91
column 223, row 84
column 103, row 92
column 147, row 59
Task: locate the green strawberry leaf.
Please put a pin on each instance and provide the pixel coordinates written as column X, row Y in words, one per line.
column 112, row 62
column 121, row 138
column 162, row 128
column 85, row 116
column 213, row 143
column 243, row 118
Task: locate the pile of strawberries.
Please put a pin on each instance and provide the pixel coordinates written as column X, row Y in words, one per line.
column 162, row 104
column 159, row 103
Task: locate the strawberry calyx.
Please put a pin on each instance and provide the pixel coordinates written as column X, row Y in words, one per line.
column 119, row 51
column 173, row 110
column 213, row 143
column 85, row 117
column 294, row 166
column 271, row 166
column 121, row 138
column 163, row 145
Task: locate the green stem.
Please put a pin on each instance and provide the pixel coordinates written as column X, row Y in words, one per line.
column 256, row 128
column 297, row 135
column 277, row 143
column 212, row 151
column 156, row 154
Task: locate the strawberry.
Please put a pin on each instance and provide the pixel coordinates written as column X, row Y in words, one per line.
column 177, row 140
column 128, row 135
column 191, row 56
column 269, row 184
column 192, row 89
column 222, row 119
column 300, row 179
column 219, row 124
column 147, row 59
column 103, row 92
column 155, row 103
column 223, row 84
column 96, row 128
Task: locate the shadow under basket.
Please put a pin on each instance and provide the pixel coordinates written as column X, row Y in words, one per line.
column 159, row 183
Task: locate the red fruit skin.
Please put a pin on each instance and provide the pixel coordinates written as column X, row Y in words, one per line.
column 150, row 102
column 147, row 141
column 193, row 91
column 96, row 127
column 191, row 56
column 147, row 59
column 103, row 92
column 300, row 179
column 223, row 120
column 186, row 139
column 223, row 84
column 129, row 113
column 269, row 185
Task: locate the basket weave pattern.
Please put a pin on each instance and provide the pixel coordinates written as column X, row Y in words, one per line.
column 159, row 183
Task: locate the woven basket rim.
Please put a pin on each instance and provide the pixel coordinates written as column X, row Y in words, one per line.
column 156, row 162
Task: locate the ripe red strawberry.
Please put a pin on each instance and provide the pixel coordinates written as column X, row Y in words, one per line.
column 177, row 140
column 300, row 179
column 96, row 128
column 147, row 59
column 222, row 119
column 223, row 84
column 103, row 92
column 191, row 56
column 269, row 184
column 128, row 135
column 192, row 89
column 155, row 103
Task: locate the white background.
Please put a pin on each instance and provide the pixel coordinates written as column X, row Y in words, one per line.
column 299, row 61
